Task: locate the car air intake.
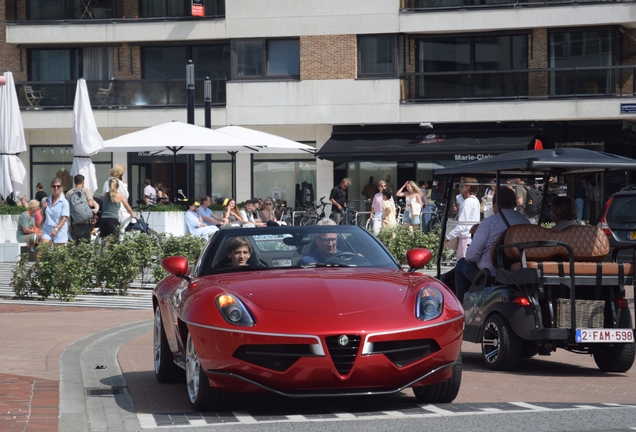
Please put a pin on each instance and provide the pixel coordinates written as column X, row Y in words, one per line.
column 343, row 350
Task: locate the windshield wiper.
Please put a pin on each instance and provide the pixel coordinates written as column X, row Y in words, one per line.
column 334, row 265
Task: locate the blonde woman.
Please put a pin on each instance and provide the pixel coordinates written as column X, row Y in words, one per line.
column 231, row 212
column 57, row 212
column 27, row 231
column 413, row 195
column 113, row 200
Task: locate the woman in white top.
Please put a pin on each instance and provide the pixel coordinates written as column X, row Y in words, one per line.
column 388, row 210
column 413, row 202
column 377, row 206
column 468, row 215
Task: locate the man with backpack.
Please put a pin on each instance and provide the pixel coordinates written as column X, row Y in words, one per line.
column 528, row 199
column 82, row 209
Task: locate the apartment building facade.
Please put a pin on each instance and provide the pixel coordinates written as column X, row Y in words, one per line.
column 380, row 87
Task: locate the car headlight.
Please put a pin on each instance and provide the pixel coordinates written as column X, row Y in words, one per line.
column 233, row 310
column 429, row 304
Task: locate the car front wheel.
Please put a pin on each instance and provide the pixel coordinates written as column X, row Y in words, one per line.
column 444, row 392
column 166, row 370
column 202, row 396
column 501, row 348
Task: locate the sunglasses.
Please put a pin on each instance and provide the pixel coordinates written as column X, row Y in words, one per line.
column 268, row 203
column 56, row 186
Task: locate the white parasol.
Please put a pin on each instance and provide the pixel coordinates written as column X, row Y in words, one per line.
column 86, row 139
column 267, row 143
column 12, row 140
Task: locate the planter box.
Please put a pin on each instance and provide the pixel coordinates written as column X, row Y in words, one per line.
column 10, row 252
column 8, row 226
column 167, row 222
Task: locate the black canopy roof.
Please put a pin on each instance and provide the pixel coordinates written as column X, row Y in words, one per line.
column 538, row 162
column 417, row 145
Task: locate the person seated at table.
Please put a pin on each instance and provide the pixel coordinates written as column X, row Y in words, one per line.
column 239, row 250
column 247, row 214
column 208, row 217
column 327, row 246
column 268, row 215
column 162, row 197
column 195, row 224
column 231, row 212
column 27, row 231
column 563, row 212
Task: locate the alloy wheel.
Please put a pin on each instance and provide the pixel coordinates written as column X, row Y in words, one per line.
column 192, row 370
column 490, row 342
column 157, row 339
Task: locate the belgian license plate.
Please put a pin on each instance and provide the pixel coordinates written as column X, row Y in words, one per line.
column 604, row 335
column 632, row 235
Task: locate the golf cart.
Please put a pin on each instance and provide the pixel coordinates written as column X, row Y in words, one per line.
column 552, row 289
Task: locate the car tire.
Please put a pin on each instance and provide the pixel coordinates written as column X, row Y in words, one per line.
column 202, row 396
column 501, row 348
column 619, row 359
column 444, row 392
column 166, row 371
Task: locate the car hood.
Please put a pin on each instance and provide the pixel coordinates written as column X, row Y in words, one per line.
column 335, row 291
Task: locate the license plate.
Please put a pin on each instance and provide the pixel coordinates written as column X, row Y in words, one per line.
column 632, row 235
column 604, row 335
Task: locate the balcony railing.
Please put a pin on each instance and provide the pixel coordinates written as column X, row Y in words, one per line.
column 116, row 94
column 579, row 82
column 63, row 11
column 428, row 5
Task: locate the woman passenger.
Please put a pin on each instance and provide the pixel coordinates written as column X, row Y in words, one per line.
column 563, row 212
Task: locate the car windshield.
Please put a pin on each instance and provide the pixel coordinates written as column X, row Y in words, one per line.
column 247, row 249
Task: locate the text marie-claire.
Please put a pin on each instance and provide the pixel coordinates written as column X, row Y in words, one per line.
column 472, row 157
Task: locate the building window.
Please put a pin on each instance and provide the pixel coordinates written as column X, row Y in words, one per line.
column 48, row 161
column 377, row 56
column 287, row 178
column 178, row 8
column 465, row 67
column 164, row 69
column 266, row 58
column 581, row 49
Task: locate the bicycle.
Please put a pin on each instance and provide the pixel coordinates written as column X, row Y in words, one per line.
column 348, row 217
column 435, row 222
column 319, row 213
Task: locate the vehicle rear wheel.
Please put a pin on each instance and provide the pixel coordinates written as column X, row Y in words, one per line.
column 166, row 370
column 444, row 392
column 618, row 359
column 202, row 396
column 501, row 348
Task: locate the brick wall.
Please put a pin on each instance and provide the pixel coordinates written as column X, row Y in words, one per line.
column 10, row 54
column 538, row 59
column 328, row 57
column 127, row 62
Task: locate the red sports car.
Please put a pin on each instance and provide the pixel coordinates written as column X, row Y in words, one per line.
column 305, row 311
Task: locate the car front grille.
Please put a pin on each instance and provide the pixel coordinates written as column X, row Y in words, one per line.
column 278, row 357
column 404, row 352
column 343, row 357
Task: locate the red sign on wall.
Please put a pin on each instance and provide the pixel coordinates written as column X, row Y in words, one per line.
column 197, row 8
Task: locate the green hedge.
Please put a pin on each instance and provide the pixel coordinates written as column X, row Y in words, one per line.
column 400, row 239
column 65, row 271
column 6, row 209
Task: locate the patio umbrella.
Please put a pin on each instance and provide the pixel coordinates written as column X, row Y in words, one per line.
column 267, row 143
column 176, row 137
column 12, row 140
column 86, row 139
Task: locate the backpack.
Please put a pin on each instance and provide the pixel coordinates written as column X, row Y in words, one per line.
column 81, row 212
column 532, row 206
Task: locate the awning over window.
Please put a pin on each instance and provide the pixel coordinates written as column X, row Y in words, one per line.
column 412, row 146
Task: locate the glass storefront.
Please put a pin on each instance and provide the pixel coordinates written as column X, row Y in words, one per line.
column 289, row 178
column 48, row 162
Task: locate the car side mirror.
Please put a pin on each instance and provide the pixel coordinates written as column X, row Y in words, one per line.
column 418, row 258
column 176, row 265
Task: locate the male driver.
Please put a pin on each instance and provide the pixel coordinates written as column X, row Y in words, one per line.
column 150, row 193
column 478, row 254
column 327, row 245
column 338, row 198
column 206, row 214
column 81, row 230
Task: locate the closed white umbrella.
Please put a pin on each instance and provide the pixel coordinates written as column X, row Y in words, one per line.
column 12, row 140
column 86, row 139
column 267, row 143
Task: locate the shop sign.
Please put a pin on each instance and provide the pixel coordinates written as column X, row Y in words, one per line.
column 429, row 139
column 198, row 8
column 628, row 108
column 472, row 157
